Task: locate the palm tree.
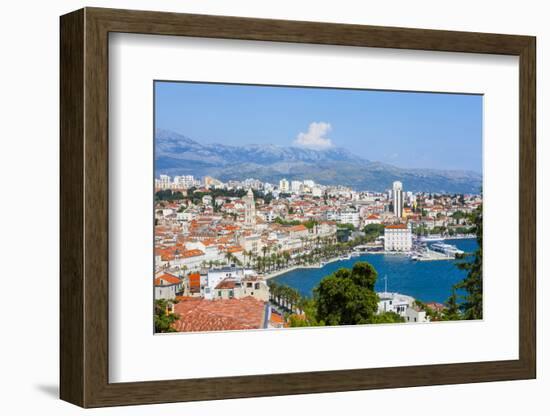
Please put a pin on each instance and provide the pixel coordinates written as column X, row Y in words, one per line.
column 286, row 256
column 230, row 257
column 273, row 259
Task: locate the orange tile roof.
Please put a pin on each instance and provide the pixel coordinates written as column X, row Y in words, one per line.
column 299, row 227
column 194, row 282
column 166, row 279
column 199, row 314
column 192, row 253
column 226, row 284
column 234, row 249
column 397, row 227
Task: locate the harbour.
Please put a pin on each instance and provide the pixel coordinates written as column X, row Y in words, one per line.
column 428, row 281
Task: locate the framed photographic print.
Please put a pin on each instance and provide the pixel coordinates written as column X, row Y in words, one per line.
column 255, row 207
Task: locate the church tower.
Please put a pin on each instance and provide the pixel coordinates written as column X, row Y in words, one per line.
column 249, row 209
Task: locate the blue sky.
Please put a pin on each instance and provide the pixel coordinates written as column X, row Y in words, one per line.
column 406, row 129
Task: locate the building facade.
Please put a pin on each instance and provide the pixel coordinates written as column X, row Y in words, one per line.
column 397, row 238
column 249, row 209
column 397, row 194
column 284, row 186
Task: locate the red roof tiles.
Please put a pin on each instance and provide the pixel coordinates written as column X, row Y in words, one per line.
column 219, row 315
column 397, row 227
column 166, row 279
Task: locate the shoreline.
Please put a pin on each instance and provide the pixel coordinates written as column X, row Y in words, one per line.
column 297, row 267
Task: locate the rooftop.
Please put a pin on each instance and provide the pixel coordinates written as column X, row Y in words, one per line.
column 199, row 314
column 397, row 227
column 166, row 279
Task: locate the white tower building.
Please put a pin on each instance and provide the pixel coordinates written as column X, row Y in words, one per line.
column 397, row 194
column 284, row 186
column 249, row 209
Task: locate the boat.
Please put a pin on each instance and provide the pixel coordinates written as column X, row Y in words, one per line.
column 447, row 249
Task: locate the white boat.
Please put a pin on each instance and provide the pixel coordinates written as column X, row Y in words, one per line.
column 447, row 249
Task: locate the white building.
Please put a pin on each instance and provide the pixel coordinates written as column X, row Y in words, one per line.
column 296, row 186
column 249, row 209
column 317, row 191
column 397, row 238
column 163, row 182
column 309, row 183
column 372, row 219
column 349, row 216
column 284, row 186
column 187, row 181
column 415, row 314
column 167, row 286
column 402, row 305
column 215, row 276
column 394, row 302
column 397, row 194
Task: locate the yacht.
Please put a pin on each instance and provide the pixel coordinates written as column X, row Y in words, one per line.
column 447, row 249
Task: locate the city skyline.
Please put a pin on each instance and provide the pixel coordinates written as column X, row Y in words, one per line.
column 272, row 209
column 404, row 129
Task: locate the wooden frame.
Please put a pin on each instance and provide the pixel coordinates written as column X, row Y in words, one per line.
column 84, row 207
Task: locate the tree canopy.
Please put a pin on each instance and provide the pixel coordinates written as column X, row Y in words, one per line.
column 472, row 285
column 347, row 297
column 163, row 318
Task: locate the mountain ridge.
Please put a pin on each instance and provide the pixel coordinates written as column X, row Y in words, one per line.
column 176, row 154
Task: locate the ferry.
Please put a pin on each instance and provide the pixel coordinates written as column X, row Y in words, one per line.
column 447, row 249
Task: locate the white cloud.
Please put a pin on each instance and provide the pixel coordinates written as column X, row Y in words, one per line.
column 315, row 138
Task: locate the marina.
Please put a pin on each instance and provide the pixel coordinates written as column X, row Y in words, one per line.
column 423, row 280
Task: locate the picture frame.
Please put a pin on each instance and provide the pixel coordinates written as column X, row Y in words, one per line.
column 84, row 215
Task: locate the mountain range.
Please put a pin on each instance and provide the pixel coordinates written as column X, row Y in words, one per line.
column 176, row 154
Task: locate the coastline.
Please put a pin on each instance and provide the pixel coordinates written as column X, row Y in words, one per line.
column 297, row 267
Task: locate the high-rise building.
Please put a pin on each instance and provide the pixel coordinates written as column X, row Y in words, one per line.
column 165, row 182
column 295, row 186
column 249, row 209
column 284, row 185
column 397, row 194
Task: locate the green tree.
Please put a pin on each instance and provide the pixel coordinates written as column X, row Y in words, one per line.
column 163, row 317
column 472, row 285
column 373, row 231
column 452, row 313
column 168, row 195
column 347, row 297
column 387, row 318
